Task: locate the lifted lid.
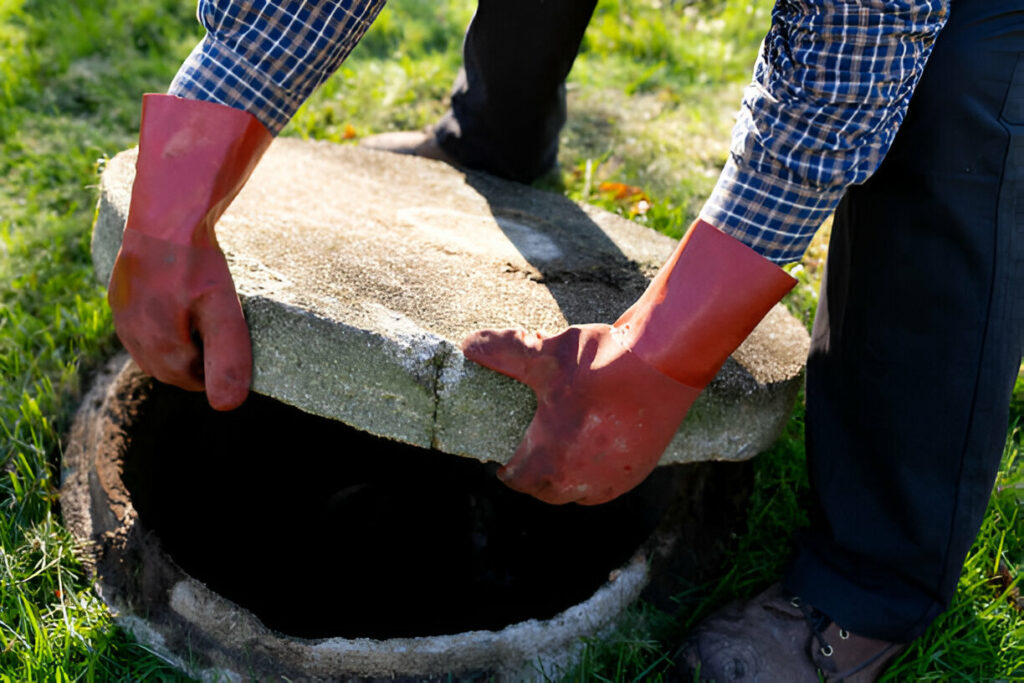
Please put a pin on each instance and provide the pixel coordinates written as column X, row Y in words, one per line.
column 359, row 272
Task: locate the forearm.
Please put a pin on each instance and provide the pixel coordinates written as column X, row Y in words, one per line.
column 830, row 90
column 267, row 57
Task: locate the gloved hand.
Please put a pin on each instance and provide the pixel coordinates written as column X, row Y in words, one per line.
column 174, row 303
column 611, row 397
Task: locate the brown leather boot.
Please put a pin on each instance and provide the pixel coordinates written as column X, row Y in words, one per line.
column 420, row 143
column 774, row 637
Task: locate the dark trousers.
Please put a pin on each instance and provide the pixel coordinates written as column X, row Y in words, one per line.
column 508, row 102
column 918, row 340
column 919, row 333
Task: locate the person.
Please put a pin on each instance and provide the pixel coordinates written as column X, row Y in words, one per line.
column 904, row 118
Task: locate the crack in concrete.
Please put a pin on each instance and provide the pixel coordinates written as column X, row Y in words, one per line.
column 445, row 351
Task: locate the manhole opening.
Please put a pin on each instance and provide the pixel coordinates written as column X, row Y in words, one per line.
column 322, row 530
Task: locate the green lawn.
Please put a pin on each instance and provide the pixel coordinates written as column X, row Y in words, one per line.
column 651, row 100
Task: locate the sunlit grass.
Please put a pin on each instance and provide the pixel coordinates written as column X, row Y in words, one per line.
column 651, row 101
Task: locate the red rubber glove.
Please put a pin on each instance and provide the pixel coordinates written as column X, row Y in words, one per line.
column 174, row 303
column 611, row 397
column 603, row 415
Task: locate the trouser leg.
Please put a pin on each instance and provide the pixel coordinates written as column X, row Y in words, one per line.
column 508, row 102
column 918, row 339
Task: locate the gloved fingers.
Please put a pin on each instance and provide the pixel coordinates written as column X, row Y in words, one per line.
column 593, row 445
column 510, row 352
column 551, row 463
column 180, row 366
column 560, row 471
column 227, row 351
column 161, row 344
column 153, row 322
column 577, row 469
column 537, row 470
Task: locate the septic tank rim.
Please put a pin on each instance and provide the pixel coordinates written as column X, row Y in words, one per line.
column 210, row 637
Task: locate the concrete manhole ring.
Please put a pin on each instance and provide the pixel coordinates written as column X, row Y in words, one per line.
column 346, row 584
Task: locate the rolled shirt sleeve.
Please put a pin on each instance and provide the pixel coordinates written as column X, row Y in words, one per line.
column 267, row 56
column 830, row 89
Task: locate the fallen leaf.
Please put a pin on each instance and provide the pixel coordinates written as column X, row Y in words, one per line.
column 622, row 190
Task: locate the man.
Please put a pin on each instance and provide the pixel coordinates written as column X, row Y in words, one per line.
column 918, row 336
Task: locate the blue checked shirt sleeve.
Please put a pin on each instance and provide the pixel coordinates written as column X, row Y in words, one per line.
column 267, row 56
column 829, row 91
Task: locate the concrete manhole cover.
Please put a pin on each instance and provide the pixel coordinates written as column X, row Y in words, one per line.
column 293, row 541
column 360, row 271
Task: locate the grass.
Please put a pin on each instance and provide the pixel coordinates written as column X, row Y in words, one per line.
column 651, row 100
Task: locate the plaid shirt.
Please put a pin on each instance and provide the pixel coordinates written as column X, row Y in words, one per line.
column 267, row 56
column 830, row 89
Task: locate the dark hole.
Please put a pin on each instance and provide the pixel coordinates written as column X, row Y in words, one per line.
column 322, row 530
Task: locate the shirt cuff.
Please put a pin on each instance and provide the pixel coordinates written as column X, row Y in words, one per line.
column 215, row 73
column 774, row 217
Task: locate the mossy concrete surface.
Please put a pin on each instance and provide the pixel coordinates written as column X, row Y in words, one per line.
column 359, row 271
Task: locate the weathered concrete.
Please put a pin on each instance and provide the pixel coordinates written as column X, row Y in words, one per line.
column 210, row 637
column 359, row 271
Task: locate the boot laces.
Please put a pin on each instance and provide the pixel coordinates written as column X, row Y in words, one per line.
column 818, row 621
